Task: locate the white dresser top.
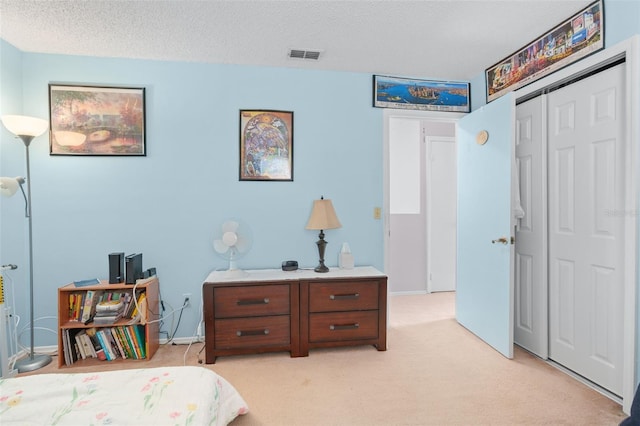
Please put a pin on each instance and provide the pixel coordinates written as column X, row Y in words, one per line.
column 299, row 274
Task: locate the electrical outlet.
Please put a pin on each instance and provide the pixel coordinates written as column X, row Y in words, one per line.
column 187, row 299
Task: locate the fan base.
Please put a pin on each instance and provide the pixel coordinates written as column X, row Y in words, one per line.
column 235, row 273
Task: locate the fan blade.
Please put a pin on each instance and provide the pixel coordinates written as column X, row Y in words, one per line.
column 230, row 226
column 220, row 246
column 243, row 244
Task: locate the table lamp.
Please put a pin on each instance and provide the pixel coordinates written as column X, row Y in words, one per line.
column 323, row 216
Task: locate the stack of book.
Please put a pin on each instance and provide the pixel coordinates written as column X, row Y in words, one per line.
column 108, row 312
column 108, row 343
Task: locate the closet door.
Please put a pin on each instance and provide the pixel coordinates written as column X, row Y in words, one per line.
column 586, row 209
column 531, row 314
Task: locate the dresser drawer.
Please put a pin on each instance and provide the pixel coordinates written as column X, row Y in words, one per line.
column 252, row 332
column 332, row 327
column 251, row 301
column 343, row 296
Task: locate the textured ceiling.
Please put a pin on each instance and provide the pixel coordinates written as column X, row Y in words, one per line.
column 450, row 40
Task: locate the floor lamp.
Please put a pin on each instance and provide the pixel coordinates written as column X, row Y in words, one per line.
column 28, row 128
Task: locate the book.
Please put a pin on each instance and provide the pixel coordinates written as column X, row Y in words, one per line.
column 85, row 283
column 118, row 343
column 91, row 332
column 111, row 305
column 87, row 344
column 108, row 317
column 133, row 306
column 139, row 330
column 90, row 302
column 125, row 343
column 65, row 346
column 113, row 345
column 132, row 340
column 80, row 346
column 106, row 345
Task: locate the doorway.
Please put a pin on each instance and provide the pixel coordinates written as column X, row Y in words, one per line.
column 420, row 223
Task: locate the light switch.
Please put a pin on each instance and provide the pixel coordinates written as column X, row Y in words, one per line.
column 376, row 213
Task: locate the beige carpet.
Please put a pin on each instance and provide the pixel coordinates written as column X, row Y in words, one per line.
column 434, row 372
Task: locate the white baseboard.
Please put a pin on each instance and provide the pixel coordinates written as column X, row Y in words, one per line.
column 182, row 340
column 407, row 293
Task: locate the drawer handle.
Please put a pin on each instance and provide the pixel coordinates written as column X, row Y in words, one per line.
column 344, row 326
column 264, row 301
column 241, row 333
column 344, row 296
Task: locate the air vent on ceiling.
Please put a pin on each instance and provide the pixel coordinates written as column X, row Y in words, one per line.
column 304, row 54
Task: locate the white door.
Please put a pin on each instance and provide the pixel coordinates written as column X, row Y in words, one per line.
column 484, row 269
column 407, row 221
column 586, row 209
column 441, row 213
column 531, row 314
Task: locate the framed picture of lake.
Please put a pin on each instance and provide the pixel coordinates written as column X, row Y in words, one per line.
column 427, row 95
column 92, row 120
column 266, row 145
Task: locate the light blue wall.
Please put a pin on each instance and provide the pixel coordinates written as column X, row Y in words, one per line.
column 169, row 204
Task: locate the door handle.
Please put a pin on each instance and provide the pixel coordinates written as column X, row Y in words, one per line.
column 503, row 240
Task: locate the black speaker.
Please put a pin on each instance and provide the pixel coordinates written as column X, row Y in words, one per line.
column 133, row 268
column 116, row 268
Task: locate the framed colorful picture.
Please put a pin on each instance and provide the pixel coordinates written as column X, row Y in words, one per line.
column 266, row 145
column 426, row 95
column 91, row 120
column 577, row 37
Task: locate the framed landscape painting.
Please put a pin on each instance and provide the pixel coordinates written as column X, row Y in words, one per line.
column 266, row 145
column 426, row 95
column 91, row 120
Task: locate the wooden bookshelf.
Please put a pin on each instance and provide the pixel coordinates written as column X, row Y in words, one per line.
column 151, row 328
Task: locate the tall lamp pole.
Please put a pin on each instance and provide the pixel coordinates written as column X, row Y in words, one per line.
column 28, row 128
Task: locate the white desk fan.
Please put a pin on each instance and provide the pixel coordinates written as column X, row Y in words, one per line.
column 232, row 241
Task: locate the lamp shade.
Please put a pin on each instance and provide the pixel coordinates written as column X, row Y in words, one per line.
column 323, row 216
column 9, row 186
column 21, row 125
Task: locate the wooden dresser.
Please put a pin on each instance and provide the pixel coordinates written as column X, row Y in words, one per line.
column 271, row 310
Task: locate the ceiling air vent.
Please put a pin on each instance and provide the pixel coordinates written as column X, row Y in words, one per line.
column 305, row 54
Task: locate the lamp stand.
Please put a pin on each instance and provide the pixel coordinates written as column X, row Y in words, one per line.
column 33, row 361
column 322, row 244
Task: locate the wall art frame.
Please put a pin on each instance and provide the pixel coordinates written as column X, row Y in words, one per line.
column 96, row 120
column 425, row 95
column 266, row 145
column 577, row 37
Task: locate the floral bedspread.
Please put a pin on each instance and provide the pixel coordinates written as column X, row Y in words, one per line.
column 145, row 396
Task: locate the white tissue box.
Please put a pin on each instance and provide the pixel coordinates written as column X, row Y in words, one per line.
column 345, row 261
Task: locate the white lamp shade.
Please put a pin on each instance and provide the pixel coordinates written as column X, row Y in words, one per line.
column 21, row 125
column 8, row 186
column 323, row 216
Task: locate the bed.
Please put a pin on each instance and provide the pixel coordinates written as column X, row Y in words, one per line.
column 145, row 396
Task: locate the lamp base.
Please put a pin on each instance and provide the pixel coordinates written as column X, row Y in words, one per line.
column 32, row 363
column 322, row 244
column 321, row 268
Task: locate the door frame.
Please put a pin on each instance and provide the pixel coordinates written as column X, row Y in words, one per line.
column 387, row 114
column 630, row 50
